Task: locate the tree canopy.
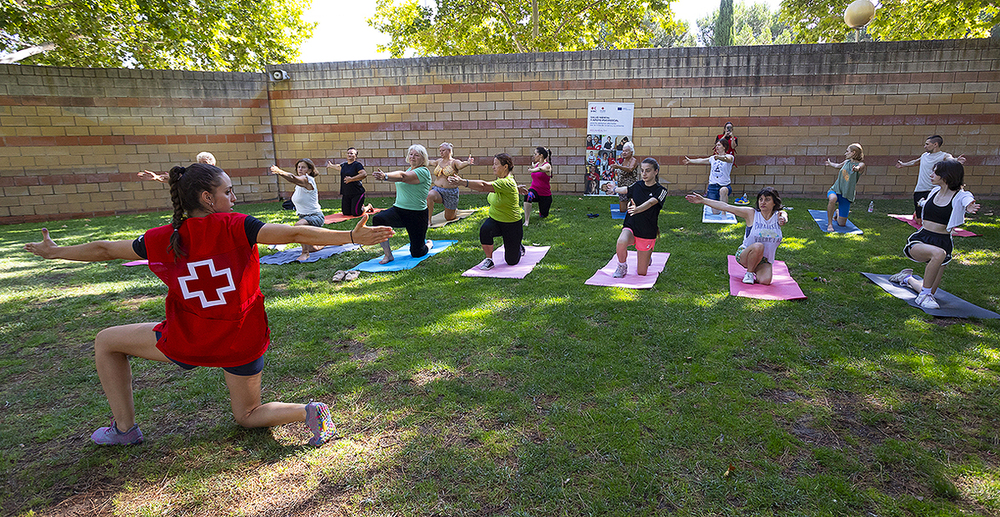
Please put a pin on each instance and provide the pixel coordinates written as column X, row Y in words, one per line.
column 467, row 27
column 752, row 25
column 232, row 35
column 822, row 21
column 724, row 32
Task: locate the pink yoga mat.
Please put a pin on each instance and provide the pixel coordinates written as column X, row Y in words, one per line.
column 532, row 256
column 137, row 263
column 783, row 286
column 908, row 219
column 340, row 217
column 631, row 280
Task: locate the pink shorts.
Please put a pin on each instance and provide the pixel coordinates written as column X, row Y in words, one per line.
column 644, row 244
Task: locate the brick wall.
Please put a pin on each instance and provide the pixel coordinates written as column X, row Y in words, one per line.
column 73, row 138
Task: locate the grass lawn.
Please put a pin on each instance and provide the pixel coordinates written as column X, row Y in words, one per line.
column 542, row 396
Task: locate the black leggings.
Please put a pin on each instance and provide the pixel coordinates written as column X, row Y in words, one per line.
column 511, row 233
column 544, row 202
column 351, row 204
column 415, row 222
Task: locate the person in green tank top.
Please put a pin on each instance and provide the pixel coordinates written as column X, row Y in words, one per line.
column 505, row 216
column 841, row 194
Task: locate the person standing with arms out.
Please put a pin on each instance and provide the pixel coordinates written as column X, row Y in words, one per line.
column 931, row 156
column 540, row 191
column 305, row 197
column 720, row 167
column 942, row 211
column 841, row 194
column 640, row 227
column 207, row 323
column 352, row 192
column 410, row 209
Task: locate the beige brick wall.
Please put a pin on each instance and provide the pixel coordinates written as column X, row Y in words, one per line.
column 65, row 131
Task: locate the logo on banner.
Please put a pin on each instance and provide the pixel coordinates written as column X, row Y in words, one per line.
column 204, row 279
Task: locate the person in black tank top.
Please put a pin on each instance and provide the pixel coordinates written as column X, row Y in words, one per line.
column 932, row 244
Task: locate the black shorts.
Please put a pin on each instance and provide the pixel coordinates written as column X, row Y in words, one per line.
column 246, row 370
column 544, row 202
column 939, row 240
column 415, row 222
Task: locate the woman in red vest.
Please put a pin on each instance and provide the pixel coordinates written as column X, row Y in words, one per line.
column 215, row 314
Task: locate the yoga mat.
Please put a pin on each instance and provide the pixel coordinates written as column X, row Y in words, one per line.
column 438, row 221
column 136, row 263
column 402, row 257
column 908, row 219
column 631, row 280
column 615, row 214
column 951, row 305
column 289, row 256
column 532, row 256
column 722, row 218
column 820, row 217
column 783, row 286
column 340, row 217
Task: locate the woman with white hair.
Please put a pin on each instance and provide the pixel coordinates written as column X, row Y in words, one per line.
column 627, row 168
column 442, row 191
column 410, row 209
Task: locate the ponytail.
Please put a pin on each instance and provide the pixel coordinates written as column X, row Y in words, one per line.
column 544, row 151
column 186, row 186
column 178, row 219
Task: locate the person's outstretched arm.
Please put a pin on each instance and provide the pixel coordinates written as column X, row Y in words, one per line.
column 361, row 234
column 696, row 161
column 740, row 211
column 152, row 176
column 297, row 180
column 95, row 251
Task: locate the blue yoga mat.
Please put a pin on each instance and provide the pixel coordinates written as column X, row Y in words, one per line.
column 951, row 305
column 615, row 214
column 402, row 259
column 289, row 256
column 820, row 217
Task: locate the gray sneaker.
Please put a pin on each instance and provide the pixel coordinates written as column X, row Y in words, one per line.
column 900, row 278
column 486, row 264
column 112, row 436
column 620, row 271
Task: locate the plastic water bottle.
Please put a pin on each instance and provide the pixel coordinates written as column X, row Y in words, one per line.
column 871, row 207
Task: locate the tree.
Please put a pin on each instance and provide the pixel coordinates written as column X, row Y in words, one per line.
column 752, row 25
column 468, row 27
column 724, row 25
column 234, row 35
column 822, row 21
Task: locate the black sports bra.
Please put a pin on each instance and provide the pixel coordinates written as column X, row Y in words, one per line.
column 934, row 213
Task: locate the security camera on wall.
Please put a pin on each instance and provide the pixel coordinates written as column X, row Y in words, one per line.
column 279, row 75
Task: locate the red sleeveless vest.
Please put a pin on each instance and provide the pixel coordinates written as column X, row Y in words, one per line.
column 215, row 310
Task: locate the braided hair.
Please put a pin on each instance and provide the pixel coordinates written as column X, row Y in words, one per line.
column 186, row 186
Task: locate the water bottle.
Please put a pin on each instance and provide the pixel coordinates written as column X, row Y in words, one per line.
column 871, row 207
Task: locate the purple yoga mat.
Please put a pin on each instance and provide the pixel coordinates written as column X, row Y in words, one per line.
column 532, row 256
column 908, row 219
column 137, row 263
column 631, row 280
column 783, row 286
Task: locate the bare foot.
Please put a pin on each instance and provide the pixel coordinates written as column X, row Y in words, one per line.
column 829, row 228
column 387, row 259
column 303, row 257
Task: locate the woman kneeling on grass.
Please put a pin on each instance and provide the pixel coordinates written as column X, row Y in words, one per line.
column 640, row 227
column 505, row 216
column 763, row 234
column 305, row 198
column 942, row 210
column 215, row 313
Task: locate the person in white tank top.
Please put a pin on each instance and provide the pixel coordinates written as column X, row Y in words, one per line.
column 305, row 198
column 763, row 236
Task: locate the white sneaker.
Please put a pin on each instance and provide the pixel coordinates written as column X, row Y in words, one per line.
column 927, row 301
column 486, row 264
column 620, row 271
column 900, row 278
column 749, row 278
